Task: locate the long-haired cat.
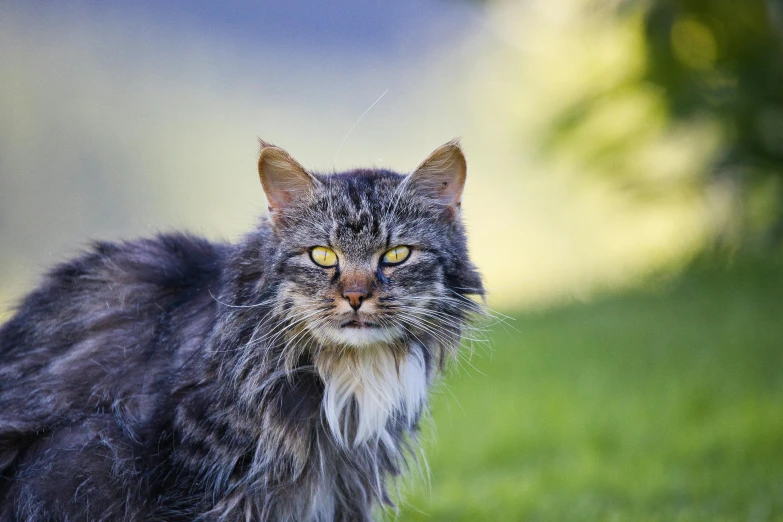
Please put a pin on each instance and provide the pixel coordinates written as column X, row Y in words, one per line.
column 279, row 378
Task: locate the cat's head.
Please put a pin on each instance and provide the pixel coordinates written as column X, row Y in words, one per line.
column 371, row 256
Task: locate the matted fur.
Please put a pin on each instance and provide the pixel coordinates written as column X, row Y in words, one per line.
column 175, row 379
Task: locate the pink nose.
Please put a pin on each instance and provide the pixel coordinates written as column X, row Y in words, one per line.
column 355, row 297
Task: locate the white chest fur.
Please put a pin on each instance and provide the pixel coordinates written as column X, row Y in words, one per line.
column 380, row 386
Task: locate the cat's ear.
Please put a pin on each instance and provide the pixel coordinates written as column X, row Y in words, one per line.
column 283, row 178
column 441, row 176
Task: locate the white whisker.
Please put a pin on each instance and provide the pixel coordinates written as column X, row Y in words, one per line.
column 334, row 160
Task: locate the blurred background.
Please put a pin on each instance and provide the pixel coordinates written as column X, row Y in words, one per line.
column 624, row 202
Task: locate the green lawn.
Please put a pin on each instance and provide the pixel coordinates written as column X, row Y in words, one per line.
column 662, row 404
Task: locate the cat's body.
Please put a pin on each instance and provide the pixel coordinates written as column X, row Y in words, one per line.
column 177, row 379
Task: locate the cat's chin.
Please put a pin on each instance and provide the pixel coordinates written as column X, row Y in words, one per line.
column 360, row 336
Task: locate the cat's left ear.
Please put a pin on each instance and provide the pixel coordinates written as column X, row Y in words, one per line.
column 441, row 176
column 283, row 178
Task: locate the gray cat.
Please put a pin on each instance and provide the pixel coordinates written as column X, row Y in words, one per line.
column 279, row 378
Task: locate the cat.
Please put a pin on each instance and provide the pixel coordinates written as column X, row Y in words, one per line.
column 279, row 378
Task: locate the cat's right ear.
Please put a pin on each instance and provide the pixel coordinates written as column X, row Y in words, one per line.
column 441, row 176
column 283, row 178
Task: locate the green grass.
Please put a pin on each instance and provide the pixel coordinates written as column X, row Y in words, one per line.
column 657, row 405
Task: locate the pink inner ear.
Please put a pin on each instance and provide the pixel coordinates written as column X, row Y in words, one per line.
column 442, row 175
column 284, row 180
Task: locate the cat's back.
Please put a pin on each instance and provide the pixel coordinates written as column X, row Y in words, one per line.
column 106, row 324
column 85, row 365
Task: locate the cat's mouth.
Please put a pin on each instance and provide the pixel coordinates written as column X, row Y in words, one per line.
column 358, row 331
column 354, row 323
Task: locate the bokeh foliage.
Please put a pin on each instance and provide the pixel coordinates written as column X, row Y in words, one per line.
column 715, row 65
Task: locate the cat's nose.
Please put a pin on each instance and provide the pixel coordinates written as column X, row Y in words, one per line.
column 356, row 297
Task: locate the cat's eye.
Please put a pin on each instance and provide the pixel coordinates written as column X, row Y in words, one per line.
column 396, row 255
column 323, row 256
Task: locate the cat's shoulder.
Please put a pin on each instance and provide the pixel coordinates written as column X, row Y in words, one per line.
column 144, row 270
column 171, row 260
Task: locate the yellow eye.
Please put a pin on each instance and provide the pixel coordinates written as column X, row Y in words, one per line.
column 323, row 256
column 396, row 255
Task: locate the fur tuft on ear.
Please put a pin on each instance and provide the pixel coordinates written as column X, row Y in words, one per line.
column 265, row 145
column 283, row 178
column 441, row 176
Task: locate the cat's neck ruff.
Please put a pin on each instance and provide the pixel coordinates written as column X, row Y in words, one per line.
column 365, row 388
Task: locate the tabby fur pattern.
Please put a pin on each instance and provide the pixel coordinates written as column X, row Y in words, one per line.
column 178, row 379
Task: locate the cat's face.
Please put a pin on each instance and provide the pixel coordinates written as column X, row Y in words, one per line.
column 373, row 257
